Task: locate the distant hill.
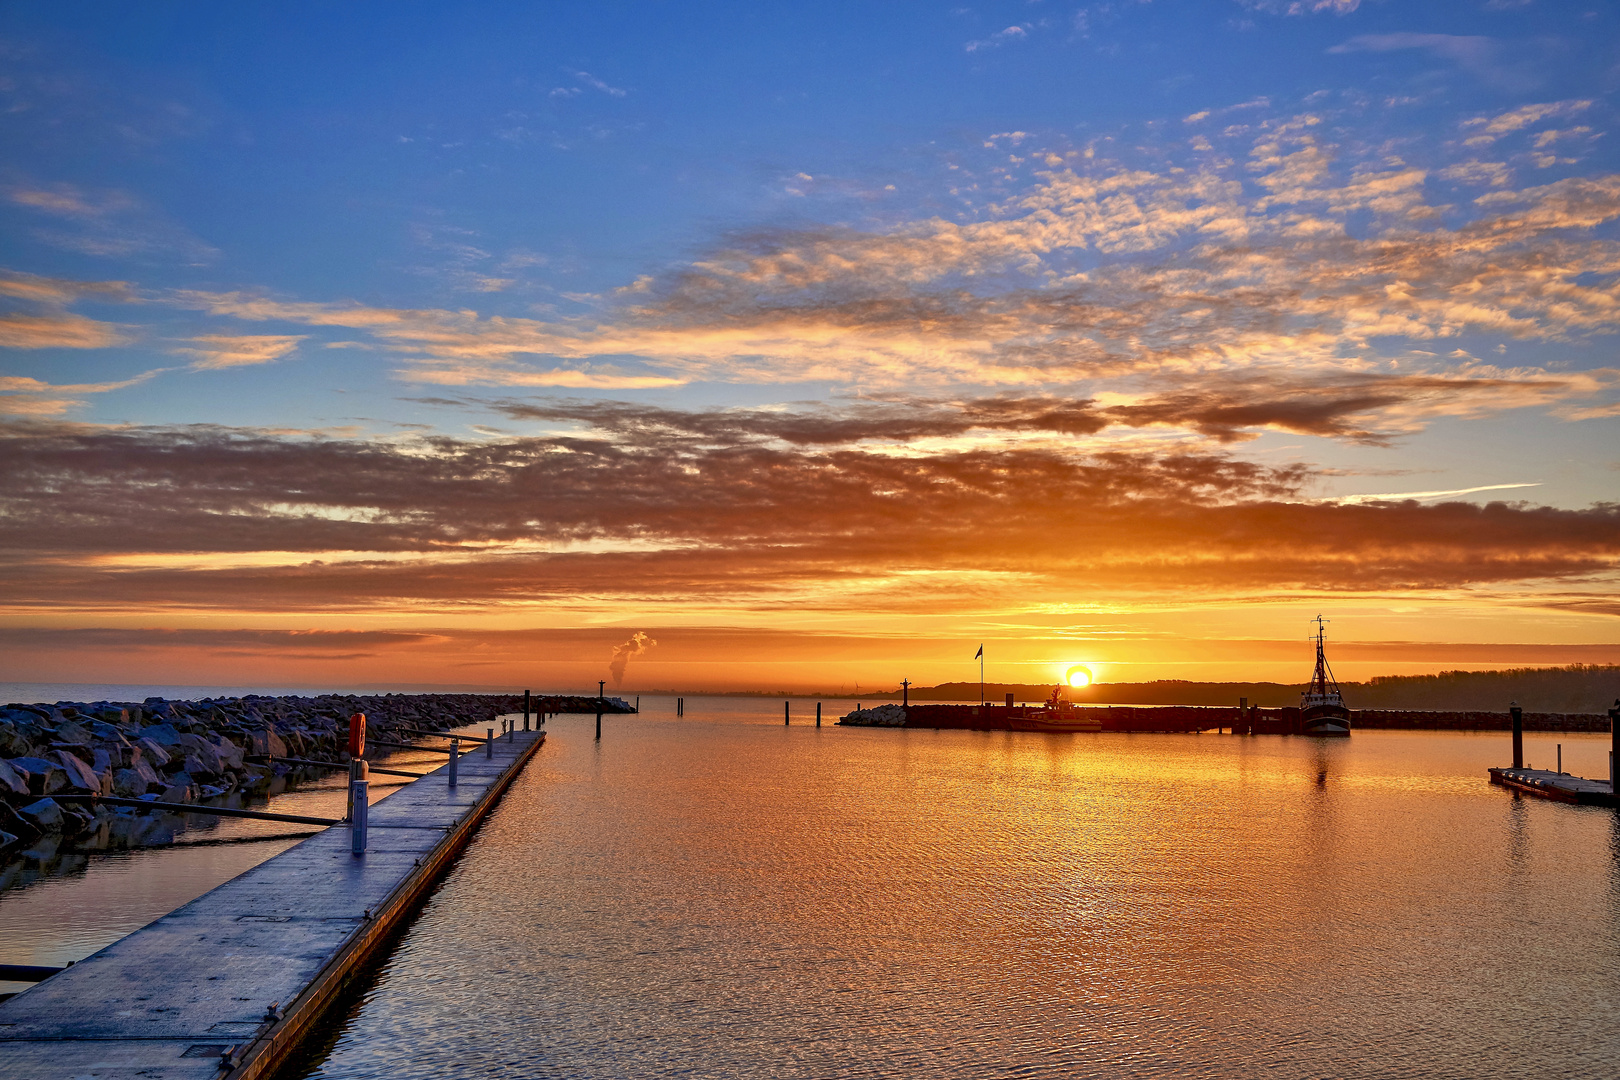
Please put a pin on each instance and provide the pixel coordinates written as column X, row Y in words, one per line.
column 1578, row 688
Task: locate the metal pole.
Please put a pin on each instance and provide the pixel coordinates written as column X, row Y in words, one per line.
column 1560, row 759
column 818, row 714
column 1518, row 734
column 489, row 744
column 525, row 710
column 361, row 814
column 455, row 758
column 196, row 808
column 1614, row 743
column 785, row 717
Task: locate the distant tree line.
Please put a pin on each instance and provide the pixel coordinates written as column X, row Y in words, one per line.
column 1590, row 688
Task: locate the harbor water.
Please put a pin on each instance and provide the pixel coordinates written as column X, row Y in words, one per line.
column 722, row 895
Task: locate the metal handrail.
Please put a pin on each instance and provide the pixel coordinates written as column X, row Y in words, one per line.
column 197, row 808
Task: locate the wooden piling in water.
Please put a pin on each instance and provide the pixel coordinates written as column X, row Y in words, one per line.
column 1518, row 734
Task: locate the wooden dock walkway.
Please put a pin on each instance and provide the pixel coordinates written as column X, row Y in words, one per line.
column 229, row 985
column 1555, row 785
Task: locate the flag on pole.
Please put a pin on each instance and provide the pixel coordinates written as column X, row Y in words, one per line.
column 980, row 654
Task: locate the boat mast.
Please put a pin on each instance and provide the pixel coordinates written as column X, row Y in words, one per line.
column 1323, row 675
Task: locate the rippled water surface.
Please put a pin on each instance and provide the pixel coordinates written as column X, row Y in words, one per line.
column 722, row 896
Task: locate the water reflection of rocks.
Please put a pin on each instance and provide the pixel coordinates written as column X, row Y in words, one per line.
column 63, row 853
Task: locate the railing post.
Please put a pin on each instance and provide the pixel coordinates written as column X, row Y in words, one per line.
column 1518, row 734
column 489, row 743
column 455, row 759
column 360, row 815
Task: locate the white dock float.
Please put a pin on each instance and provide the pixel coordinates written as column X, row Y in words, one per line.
column 230, row 984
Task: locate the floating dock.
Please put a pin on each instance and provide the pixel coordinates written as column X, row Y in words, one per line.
column 1556, row 785
column 231, row 984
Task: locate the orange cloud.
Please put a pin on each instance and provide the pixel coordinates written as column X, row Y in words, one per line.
column 214, row 351
column 752, row 512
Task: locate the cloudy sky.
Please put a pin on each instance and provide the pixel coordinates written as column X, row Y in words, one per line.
column 455, row 344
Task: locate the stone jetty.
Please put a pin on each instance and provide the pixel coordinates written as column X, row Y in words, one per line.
column 200, row 750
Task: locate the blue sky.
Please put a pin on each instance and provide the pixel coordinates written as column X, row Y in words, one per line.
column 1308, row 253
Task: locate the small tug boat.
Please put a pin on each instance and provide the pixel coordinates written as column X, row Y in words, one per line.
column 1056, row 716
column 1321, row 707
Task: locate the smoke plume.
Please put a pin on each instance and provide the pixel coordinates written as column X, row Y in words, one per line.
column 638, row 644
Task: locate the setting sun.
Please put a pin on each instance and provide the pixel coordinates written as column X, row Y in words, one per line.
column 1079, row 676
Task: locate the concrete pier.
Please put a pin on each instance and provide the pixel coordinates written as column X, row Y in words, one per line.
column 1555, row 785
column 229, row 985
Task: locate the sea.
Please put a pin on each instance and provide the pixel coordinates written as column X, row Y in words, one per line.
column 721, row 894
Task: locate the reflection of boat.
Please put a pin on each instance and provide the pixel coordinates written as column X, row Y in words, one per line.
column 1321, row 708
column 1058, row 715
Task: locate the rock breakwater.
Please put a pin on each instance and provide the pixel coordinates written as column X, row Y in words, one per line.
column 186, row 751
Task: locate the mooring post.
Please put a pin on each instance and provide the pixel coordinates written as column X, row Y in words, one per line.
column 600, row 683
column 1614, row 745
column 785, row 718
column 455, row 757
column 818, row 714
column 489, row 743
column 525, row 710
column 361, row 808
column 1518, row 734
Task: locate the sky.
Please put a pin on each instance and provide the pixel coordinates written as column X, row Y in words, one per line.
column 806, row 347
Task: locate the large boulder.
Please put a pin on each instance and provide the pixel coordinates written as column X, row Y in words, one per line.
column 107, row 733
column 204, row 751
column 266, row 742
column 44, row 777
column 73, row 733
column 153, row 753
column 81, row 777
column 137, row 780
column 200, row 769
column 45, row 816
column 13, row 780
column 162, row 734
column 14, row 823
column 230, row 755
column 12, row 740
